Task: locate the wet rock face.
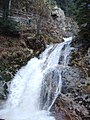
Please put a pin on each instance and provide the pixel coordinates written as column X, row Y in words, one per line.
column 49, row 87
column 3, row 89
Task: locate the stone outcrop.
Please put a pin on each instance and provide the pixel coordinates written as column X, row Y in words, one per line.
column 58, row 14
column 3, row 89
column 67, row 25
column 49, row 88
column 74, row 98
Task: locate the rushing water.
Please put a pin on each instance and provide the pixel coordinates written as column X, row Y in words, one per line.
column 24, row 99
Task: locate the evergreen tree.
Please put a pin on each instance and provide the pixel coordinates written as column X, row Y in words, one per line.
column 83, row 18
column 80, row 10
column 68, row 6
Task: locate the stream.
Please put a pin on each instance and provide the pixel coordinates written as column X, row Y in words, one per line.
column 25, row 98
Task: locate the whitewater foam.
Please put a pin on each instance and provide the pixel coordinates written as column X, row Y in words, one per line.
column 24, row 99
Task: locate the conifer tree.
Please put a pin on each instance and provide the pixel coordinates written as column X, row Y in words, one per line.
column 83, row 19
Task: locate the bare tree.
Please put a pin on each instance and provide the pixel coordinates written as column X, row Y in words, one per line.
column 42, row 11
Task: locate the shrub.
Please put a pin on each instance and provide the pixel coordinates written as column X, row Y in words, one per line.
column 9, row 27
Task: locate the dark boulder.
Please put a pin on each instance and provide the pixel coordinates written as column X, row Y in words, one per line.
column 3, row 89
column 36, row 43
column 72, row 78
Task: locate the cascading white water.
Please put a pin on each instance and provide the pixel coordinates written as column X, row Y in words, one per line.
column 24, row 99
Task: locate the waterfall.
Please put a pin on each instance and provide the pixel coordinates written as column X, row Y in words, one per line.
column 28, row 86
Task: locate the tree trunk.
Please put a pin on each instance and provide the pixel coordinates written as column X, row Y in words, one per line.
column 5, row 9
column 10, row 4
column 38, row 25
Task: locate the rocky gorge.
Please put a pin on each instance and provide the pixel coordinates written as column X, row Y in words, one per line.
column 74, row 101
